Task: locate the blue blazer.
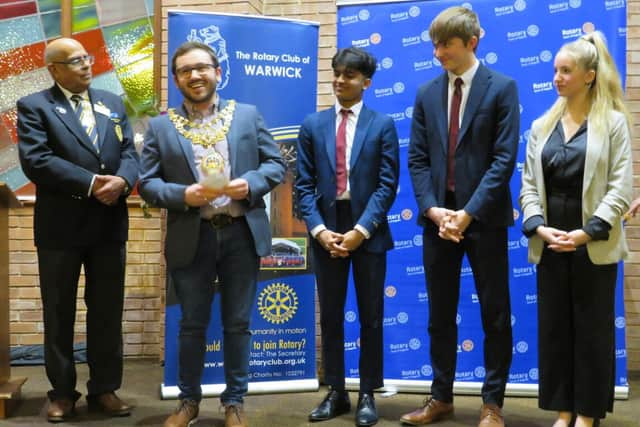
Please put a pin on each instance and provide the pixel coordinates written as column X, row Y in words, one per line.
column 57, row 155
column 168, row 168
column 373, row 176
column 485, row 153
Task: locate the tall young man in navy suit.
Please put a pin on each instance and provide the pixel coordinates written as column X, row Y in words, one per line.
column 76, row 145
column 463, row 147
column 209, row 163
column 346, row 184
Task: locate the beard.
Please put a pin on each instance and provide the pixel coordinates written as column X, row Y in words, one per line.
column 206, row 97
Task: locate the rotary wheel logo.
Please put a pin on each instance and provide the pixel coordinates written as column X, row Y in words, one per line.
column 277, row 303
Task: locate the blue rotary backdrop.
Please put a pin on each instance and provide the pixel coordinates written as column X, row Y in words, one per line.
column 271, row 63
column 520, row 39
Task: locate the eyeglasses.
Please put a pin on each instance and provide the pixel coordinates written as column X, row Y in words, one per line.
column 186, row 71
column 78, row 61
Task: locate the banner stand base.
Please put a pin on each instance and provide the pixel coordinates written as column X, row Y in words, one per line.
column 473, row 388
column 265, row 387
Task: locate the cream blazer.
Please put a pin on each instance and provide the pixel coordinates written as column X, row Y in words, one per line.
column 606, row 186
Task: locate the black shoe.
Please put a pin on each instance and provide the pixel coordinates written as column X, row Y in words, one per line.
column 366, row 415
column 335, row 403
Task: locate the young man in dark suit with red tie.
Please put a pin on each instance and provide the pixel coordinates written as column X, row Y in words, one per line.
column 346, row 184
column 463, row 147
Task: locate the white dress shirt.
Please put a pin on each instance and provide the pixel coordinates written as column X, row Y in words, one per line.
column 352, row 120
column 467, row 78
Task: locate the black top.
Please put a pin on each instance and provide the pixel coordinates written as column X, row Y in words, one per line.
column 563, row 168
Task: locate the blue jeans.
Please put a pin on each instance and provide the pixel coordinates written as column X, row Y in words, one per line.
column 227, row 254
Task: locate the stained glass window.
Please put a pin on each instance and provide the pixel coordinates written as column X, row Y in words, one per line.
column 118, row 32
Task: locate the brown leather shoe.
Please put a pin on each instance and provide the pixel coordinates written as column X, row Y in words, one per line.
column 433, row 410
column 185, row 414
column 234, row 416
column 60, row 410
column 109, row 404
column 491, row 416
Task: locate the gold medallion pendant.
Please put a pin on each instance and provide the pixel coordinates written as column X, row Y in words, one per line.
column 212, row 167
column 212, row 163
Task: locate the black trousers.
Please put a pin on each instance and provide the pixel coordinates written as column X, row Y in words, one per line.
column 332, row 276
column 576, row 333
column 104, row 268
column 487, row 253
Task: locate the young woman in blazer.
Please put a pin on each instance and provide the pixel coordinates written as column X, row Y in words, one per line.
column 576, row 186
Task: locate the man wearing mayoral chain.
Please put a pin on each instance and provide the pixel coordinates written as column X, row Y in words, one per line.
column 209, row 163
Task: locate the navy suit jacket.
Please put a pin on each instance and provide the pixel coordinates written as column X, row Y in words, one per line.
column 57, row 155
column 373, row 176
column 485, row 153
column 168, row 168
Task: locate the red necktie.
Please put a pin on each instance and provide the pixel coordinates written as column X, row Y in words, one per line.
column 341, row 153
column 454, row 127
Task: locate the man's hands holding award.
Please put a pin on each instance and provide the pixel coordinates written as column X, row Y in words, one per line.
column 214, row 184
column 212, row 168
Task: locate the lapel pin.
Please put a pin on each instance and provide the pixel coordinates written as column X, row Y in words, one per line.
column 61, row 110
column 118, row 131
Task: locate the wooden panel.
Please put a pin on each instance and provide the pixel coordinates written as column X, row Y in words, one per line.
column 10, row 394
column 4, row 289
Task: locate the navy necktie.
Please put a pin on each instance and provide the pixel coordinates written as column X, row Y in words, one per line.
column 87, row 119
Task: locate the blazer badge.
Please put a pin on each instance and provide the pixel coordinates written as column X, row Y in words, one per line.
column 118, row 131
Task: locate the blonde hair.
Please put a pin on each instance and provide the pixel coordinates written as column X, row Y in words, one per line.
column 452, row 22
column 605, row 93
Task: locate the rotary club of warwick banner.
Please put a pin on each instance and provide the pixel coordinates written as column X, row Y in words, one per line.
column 271, row 63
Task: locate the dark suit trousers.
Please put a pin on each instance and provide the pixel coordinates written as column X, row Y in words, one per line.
column 576, row 330
column 332, row 275
column 487, row 253
column 104, row 267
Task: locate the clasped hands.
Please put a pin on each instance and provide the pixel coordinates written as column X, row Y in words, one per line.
column 339, row 245
column 451, row 224
column 562, row 241
column 197, row 195
column 108, row 188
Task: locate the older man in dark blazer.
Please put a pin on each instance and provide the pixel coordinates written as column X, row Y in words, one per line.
column 463, row 147
column 209, row 163
column 76, row 145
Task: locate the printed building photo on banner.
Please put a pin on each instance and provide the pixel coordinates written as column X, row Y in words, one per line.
column 286, row 254
column 519, row 38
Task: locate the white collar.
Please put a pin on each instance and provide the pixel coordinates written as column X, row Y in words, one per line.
column 467, row 76
column 355, row 108
column 68, row 94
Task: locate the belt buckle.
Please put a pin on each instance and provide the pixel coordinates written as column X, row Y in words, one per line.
column 220, row 221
